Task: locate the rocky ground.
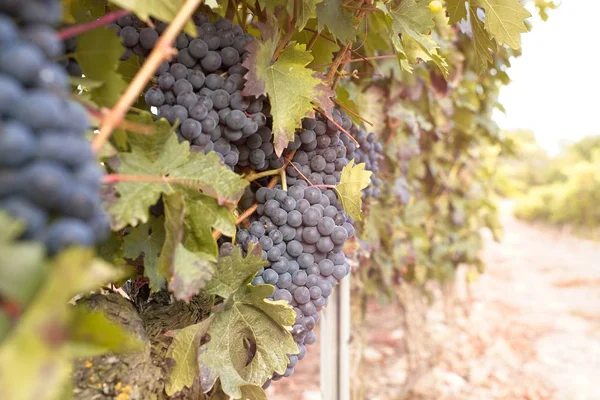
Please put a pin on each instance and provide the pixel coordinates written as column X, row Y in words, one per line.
column 529, row 328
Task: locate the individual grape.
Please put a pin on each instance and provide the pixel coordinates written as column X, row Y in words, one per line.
column 339, row 272
column 302, row 295
column 339, row 235
column 273, row 254
column 198, row 111
column 220, row 99
column 238, row 101
column 294, row 248
column 165, row 81
column 180, row 113
column 129, row 36
column 208, row 124
column 198, row 48
column 325, row 244
column 22, row 61
column 148, row 38
column 211, row 62
column 154, row 97
column 185, row 58
column 270, row 277
column 191, row 129
column 311, row 216
column 257, row 156
column 236, row 119
column 230, row 56
column 282, row 294
column 310, row 235
column 187, row 99
column 214, row 81
column 284, row 280
column 17, row 144
column 179, row 71
column 182, row 86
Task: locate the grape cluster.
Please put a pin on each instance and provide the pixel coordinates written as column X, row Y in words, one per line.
column 321, row 153
column 369, row 152
column 201, row 88
column 48, row 174
column 301, row 232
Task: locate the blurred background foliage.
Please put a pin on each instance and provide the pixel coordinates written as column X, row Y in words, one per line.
column 562, row 190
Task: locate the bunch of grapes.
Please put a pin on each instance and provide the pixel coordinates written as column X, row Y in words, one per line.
column 301, row 232
column 49, row 177
column 201, row 89
column 369, row 152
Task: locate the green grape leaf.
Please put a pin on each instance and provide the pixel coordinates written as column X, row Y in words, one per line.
column 38, row 345
column 98, row 54
column 505, row 20
column 292, row 88
column 323, row 49
column 147, row 240
column 409, row 26
column 457, row 11
column 484, row 45
column 190, row 272
column 203, row 213
column 168, row 167
column 342, row 96
column 353, row 180
column 234, row 270
column 174, row 214
column 307, row 9
column 184, row 351
column 271, row 5
column 340, row 23
column 164, row 10
column 248, row 319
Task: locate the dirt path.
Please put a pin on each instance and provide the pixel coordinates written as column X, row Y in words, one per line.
column 531, row 330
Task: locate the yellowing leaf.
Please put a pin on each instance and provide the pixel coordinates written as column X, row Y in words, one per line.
column 353, row 180
column 484, row 45
column 249, row 319
column 292, row 88
column 505, row 20
column 457, row 11
column 409, row 25
column 184, row 351
column 233, row 270
column 190, row 272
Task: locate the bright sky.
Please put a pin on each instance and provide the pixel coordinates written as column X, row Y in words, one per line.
column 555, row 85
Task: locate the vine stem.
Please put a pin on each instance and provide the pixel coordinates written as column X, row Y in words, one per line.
column 162, row 50
column 258, row 175
column 88, row 26
column 338, row 60
column 352, row 112
column 130, row 126
column 340, row 128
column 246, row 214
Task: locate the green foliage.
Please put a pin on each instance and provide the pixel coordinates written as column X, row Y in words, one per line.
column 164, row 10
column 563, row 190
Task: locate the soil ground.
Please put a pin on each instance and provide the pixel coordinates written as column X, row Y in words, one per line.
column 529, row 328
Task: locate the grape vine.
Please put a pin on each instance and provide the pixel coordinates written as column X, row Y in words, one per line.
column 197, row 179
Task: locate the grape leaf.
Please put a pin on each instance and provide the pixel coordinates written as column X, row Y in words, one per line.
column 271, row 5
column 484, row 45
column 292, row 88
column 98, row 54
column 409, row 25
column 456, row 10
column 307, row 9
column 175, row 165
column 164, row 10
column 203, row 213
column 331, row 14
column 505, row 20
column 147, row 239
column 322, row 50
column 190, row 272
column 184, row 351
column 174, row 215
column 343, row 98
column 21, row 263
column 353, row 180
column 39, row 346
column 249, row 319
column 233, row 270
